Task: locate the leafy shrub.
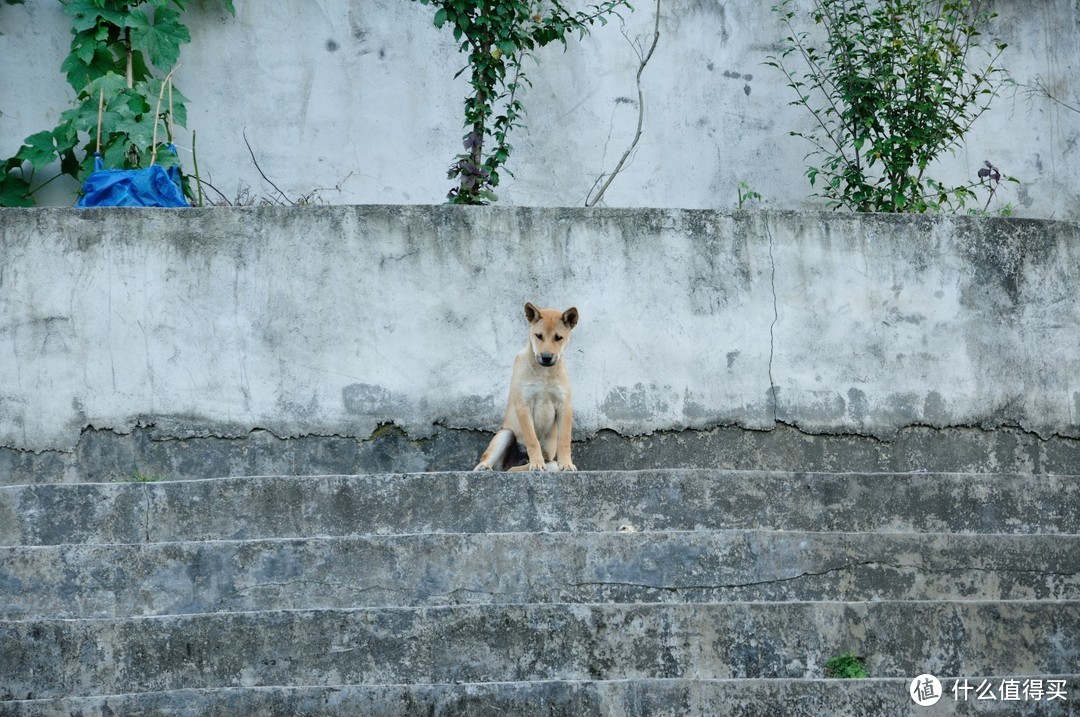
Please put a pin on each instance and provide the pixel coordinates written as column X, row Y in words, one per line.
column 114, row 45
column 896, row 84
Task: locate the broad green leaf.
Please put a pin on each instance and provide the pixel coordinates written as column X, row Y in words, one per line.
column 151, row 89
column 84, row 14
column 133, row 103
column 139, row 129
column 84, row 45
column 80, row 73
column 139, row 68
column 82, row 118
column 165, row 158
column 111, row 84
column 14, row 191
column 39, row 150
column 114, row 155
column 161, row 40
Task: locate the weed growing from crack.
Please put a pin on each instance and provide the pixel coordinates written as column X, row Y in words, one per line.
column 846, row 666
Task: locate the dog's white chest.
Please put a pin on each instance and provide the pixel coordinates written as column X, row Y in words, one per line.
column 543, row 400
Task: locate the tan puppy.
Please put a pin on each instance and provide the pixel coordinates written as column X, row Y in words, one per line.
column 538, row 411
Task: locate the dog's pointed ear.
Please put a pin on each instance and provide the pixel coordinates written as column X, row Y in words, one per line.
column 570, row 317
column 531, row 313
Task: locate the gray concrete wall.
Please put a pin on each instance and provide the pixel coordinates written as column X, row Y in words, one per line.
column 266, row 324
column 357, row 97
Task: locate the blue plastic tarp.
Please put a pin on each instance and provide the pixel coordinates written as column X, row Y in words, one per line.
column 154, row 186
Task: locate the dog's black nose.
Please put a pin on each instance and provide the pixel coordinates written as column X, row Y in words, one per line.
column 547, row 359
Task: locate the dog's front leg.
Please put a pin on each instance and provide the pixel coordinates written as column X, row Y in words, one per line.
column 528, row 437
column 565, row 428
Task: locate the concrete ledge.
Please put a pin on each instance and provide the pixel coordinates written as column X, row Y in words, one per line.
column 107, row 581
column 104, row 455
column 881, row 697
column 487, row 643
column 329, row 322
column 674, row 500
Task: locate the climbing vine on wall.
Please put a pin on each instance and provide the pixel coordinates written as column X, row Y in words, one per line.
column 497, row 36
column 115, row 49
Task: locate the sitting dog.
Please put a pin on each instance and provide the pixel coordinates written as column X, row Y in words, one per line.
column 538, row 411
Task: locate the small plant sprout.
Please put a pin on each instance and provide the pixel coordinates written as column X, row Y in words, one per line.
column 747, row 195
column 138, row 476
column 989, row 178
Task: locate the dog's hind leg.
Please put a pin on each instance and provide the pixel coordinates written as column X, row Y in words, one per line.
column 494, row 457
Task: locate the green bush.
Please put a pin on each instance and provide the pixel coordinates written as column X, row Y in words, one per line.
column 114, row 46
column 895, row 84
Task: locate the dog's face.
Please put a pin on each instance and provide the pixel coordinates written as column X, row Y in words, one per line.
column 549, row 332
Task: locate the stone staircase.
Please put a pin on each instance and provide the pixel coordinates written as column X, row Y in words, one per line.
column 629, row 594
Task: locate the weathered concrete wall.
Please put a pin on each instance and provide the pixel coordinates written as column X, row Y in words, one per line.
column 359, row 95
column 704, row 331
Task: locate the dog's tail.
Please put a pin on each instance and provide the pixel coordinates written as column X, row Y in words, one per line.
column 498, row 451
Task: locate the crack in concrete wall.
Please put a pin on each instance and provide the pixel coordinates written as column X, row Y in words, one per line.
column 105, row 455
column 772, row 326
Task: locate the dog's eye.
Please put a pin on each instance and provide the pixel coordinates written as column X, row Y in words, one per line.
column 539, row 337
column 558, row 338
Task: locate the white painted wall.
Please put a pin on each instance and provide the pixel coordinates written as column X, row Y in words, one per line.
column 330, row 321
column 356, row 98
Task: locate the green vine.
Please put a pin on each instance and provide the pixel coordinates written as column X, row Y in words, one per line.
column 114, row 48
column 497, row 36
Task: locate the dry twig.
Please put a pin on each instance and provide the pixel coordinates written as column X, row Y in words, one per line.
column 643, row 60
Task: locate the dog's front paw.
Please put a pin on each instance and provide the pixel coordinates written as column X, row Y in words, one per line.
column 541, row 466
column 482, row 467
column 567, row 466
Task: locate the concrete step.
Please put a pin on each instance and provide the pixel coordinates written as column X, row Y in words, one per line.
column 675, row 592
column 104, row 581
column 874, row 697
column 298, row 507
column 47, row 659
